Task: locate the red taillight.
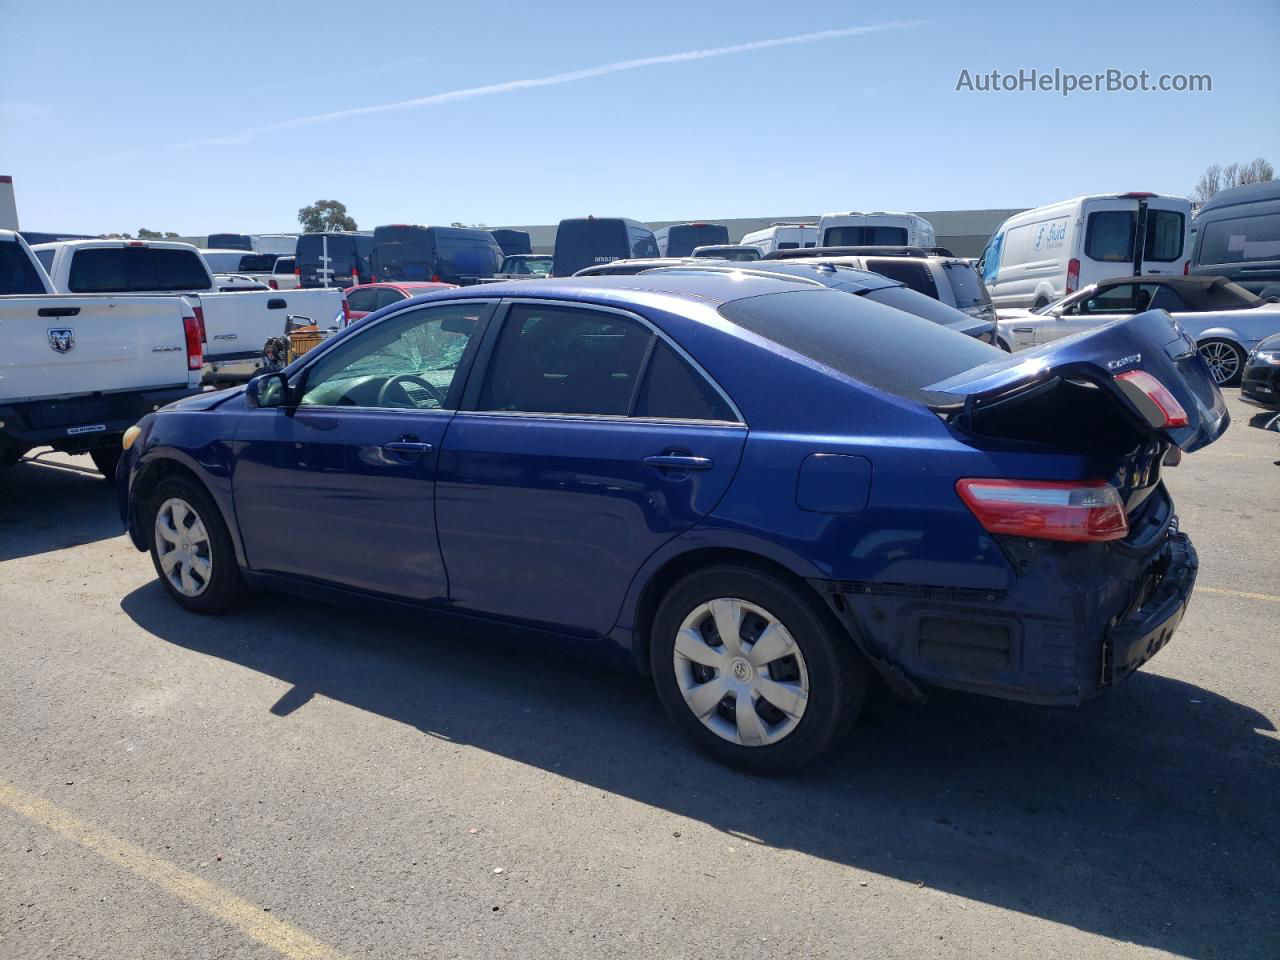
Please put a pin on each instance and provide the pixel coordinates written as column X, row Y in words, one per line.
column 435, row 278
column 199, row 312
column 1186, row 268
column 1085, row 511
column 195, row 352
column 271, row 282
column 297, row 272
column 1073, row 276
column 346, row 312
column 374, row 278
column 1158, row 405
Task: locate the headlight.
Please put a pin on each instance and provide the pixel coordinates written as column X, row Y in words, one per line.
column 130, row 435
column 1269, row 356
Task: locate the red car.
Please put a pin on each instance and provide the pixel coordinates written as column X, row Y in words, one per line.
column 368, row 297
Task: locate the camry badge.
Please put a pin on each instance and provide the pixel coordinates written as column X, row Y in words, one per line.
column 62, row 339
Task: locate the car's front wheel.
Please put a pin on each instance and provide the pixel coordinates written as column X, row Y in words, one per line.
column 191, row 548
column 752, row 670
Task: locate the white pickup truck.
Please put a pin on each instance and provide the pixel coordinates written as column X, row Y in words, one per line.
column 77, row 371
column 236, row 324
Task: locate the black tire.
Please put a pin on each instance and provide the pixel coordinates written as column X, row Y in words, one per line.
column 1217, row 345
column 105, row 459
column 9, row 456
column 224, row 589
column 837, row 674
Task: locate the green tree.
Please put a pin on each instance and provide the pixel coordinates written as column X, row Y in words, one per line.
column 145, row 234
column 325, row 216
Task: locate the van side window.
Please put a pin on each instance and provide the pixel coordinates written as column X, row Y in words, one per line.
column 1240, row 240
column 1109, row 236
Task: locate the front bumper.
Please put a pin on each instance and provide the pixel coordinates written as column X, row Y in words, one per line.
column 1072, row 623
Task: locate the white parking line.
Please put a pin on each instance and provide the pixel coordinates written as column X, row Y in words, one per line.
column 1239, row 593
column 253, row 921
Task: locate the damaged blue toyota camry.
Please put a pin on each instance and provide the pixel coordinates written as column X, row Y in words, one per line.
column 762, row 494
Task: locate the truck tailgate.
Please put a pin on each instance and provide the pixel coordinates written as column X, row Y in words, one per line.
column 237, row 325
column 53, row 346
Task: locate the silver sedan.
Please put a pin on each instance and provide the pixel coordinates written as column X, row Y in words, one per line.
column 1226, row 320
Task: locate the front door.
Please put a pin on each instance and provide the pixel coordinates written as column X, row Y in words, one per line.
column 340, row 487
column 589, row 443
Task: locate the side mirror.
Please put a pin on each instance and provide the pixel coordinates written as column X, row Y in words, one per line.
column 268, row 390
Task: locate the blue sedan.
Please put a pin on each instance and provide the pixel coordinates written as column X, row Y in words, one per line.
column 762, row 493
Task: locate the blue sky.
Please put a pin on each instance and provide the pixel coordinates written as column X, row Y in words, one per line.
column 205, row 118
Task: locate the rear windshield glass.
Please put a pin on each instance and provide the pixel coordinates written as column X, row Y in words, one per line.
column 966, row 285
column 17, row 273
column 283, row 265
column 1241, row 240
column 903, row 298
column 865, row 237
column 913, row 273
column 1109, row 236
column 1163, row 242
column 860, row 338
column 136, row 270
column 682, row 239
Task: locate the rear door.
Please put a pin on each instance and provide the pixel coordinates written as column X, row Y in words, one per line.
column 1164, row 235
column 588, row 442
column 1109, row 240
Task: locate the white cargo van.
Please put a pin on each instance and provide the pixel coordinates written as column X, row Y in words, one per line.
column 783, row 236
column 878, row 229
column 1041, row 255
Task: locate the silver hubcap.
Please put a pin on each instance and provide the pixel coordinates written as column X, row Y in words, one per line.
column 1224, row 362
column 741, row 672
column 182, row 544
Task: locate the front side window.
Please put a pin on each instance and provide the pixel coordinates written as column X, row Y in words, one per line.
column 387, row 296
column 966, row 285
column 1122, row 299
column 406, row 361
column 1109, row 236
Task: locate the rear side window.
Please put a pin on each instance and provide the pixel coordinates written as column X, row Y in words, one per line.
column 387, row 296
column 136, row 270
column 913, row 273
column 860, row 338
column 1165, row 230
column 966, row 285
column 1109, row 236
column 363, row 300
column 672, row 389
column 1241, row 240
column 865, row 236
column 17, row 274
column 283, row 265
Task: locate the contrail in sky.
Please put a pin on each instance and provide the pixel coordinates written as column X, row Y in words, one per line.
column 573, row 76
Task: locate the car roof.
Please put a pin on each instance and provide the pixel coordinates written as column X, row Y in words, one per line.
column 1196, row 291
column 117, row 242
column 701, row 287
column 828, row 275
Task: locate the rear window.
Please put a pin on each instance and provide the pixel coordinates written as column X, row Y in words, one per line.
column 230, row 241
column 17, row 273
column 913, row 273
column 257, row 263
column 1165, row 230
column 861, row 338
column 340, row 251
column 865, row 237
column 283, row 265
column 136, row 270
column 1109, row 236
column 966, row 285
column 1241, row 240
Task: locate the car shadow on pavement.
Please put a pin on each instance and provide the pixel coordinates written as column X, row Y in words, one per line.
column 53, row 504
column 1148, row 816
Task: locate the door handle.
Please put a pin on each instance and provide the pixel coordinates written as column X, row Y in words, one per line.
column 407, row 446
column 668, row 461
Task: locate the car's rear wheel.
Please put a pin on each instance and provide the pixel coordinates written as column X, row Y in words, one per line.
column 191, row 548
column 1226, row 361
column 756, row 673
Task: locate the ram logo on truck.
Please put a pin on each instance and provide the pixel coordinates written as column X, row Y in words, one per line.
column 62, row 339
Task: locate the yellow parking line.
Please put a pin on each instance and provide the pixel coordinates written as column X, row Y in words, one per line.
column 1239, row 593
column 252, row 921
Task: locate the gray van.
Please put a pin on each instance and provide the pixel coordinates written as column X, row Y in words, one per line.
column 1237, row 236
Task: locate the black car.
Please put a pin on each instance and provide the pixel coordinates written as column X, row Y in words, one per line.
column 1261, row 382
